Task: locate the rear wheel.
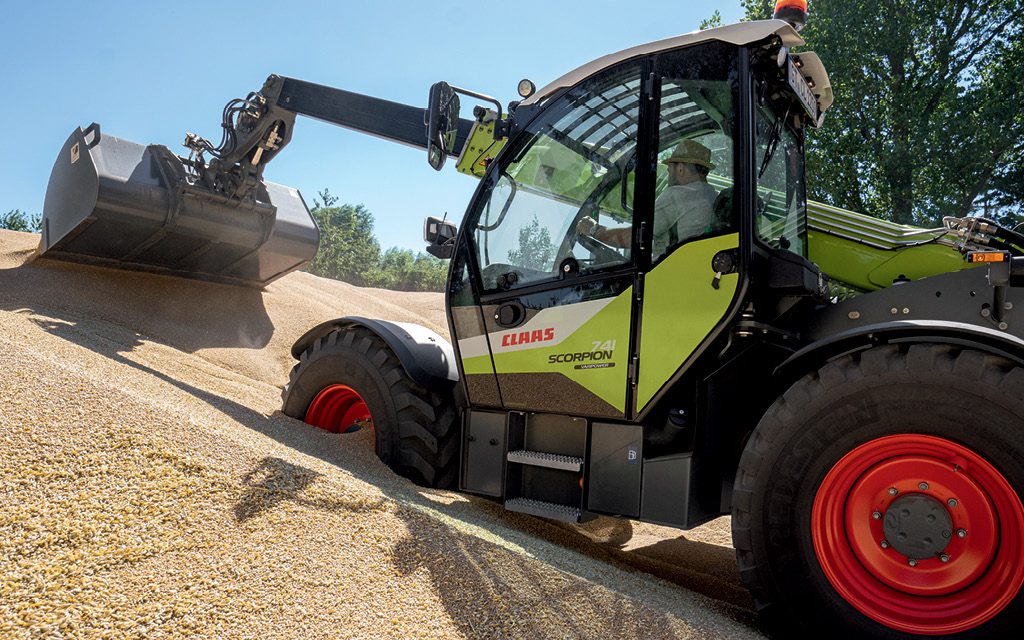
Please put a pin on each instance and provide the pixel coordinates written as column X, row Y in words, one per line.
column 350, row 377
column 880, row 496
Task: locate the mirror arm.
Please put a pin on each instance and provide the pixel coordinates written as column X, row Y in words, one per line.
column 480, row 96
column 501, row 125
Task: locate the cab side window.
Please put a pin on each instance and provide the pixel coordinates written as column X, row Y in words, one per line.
column 781, row 220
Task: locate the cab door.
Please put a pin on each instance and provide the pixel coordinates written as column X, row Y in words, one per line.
column 556, row 304
column 685, row 300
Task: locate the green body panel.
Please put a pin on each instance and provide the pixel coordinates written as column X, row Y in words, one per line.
column 869, row 253
column 870, row 268
column 680, row 308
column 607, row 331
column 477, row 365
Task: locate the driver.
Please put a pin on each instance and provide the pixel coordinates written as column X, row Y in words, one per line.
column 684, row 210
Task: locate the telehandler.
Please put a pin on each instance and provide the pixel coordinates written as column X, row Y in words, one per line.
column 868, row 447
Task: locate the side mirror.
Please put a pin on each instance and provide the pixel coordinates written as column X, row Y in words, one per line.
column 440, row 237
column 442, row 120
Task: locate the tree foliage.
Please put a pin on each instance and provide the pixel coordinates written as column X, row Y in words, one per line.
column 18, row 220
column 349, row 251
column 927, row 119
column 535, row 250
column 402, row 270
column 714, row 21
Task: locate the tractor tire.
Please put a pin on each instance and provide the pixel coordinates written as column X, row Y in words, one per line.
column 351, row 376
column 880, row 496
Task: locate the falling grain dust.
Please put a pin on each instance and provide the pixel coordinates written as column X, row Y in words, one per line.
column 150, row 488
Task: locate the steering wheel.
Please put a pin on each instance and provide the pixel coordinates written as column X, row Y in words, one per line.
column 604, row 253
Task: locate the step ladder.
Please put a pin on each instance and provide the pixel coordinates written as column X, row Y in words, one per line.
column 544, row 474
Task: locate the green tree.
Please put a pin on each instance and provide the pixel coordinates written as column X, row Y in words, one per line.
column 428, row 273
column 18, row 220
column 714, row 21
column 761, row 9
column 1006, row 203
column 927, row 119
column 401, row 270
column 349, row 250
column 536, row 250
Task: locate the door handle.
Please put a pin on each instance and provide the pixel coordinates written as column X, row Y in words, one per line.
column 724, row 262
column 510, row 314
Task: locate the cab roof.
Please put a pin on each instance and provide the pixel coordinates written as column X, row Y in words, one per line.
column 738, row 34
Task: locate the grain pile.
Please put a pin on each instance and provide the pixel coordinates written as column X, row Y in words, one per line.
column 149, row 488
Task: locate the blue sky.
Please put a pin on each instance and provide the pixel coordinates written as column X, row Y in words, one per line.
column 151, row 73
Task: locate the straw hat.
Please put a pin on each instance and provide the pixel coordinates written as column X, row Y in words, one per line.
column 692, row 152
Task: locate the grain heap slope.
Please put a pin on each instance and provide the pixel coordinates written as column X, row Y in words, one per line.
column 149, row 487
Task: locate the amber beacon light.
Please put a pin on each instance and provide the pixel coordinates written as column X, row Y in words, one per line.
column 792, row 11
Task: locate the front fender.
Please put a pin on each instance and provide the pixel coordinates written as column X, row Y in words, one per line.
column 426, row 356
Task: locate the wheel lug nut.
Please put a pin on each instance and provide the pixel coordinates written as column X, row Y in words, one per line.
column 893, row 491
column 952, row 502
column 944, row 557
column 912, row 562
column 923, row 486
column 877, row 515
column 885, row 544
column 961, row 533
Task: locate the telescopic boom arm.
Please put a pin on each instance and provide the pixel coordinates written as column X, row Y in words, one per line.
column 256, row 128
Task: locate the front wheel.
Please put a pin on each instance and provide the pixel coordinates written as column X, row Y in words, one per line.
column 350, row 377
column 880, row 496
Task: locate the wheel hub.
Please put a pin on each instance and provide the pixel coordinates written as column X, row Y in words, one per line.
column 919, row 533
column 337, row 408
column 918, row 526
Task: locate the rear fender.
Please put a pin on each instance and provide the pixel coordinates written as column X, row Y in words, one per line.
column 426, row 356
column 961, row 334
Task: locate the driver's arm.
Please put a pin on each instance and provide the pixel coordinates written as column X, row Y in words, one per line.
column 616, row 237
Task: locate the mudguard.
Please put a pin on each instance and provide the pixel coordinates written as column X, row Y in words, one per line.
column 934, row 331
column 426, row 356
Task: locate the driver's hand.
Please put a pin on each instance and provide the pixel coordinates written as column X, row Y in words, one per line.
column 586, row 226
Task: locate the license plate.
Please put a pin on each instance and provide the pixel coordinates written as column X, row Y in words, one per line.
column 802, row 90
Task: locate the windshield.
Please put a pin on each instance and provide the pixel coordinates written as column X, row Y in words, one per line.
column 574, row 162
column 781, row 219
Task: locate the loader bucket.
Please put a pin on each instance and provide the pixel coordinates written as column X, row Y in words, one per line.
column 116, row 203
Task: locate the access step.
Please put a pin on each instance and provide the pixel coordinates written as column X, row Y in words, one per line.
column 562, row 512
column 549, row 460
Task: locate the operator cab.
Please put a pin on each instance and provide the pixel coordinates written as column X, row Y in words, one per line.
column 533, row 293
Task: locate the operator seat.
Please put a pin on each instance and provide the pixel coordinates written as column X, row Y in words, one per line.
column 723, row 213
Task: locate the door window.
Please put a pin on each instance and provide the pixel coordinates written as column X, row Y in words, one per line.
column 574, row 162
column 695, row 151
